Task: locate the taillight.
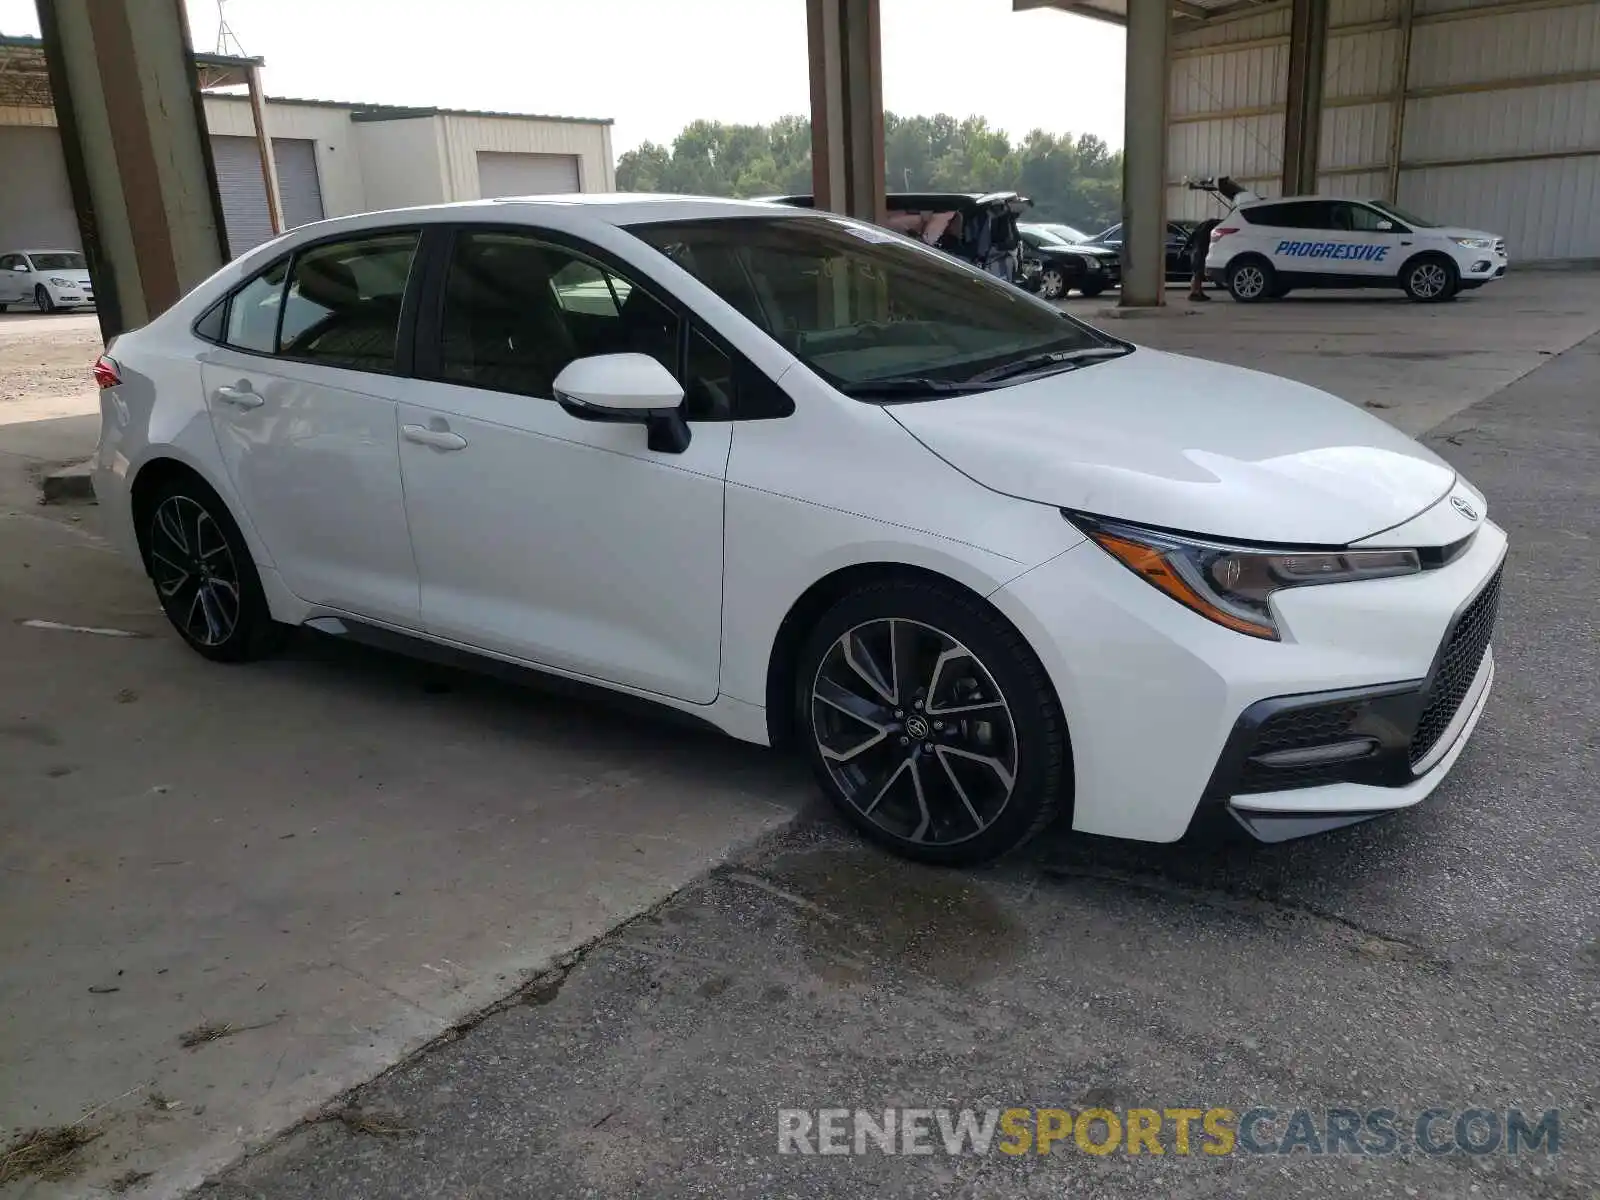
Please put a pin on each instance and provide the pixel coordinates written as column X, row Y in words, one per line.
column 1223, row 231
column 106, row 372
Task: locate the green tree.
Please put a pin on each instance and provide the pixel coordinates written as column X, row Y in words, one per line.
column 1074, row 180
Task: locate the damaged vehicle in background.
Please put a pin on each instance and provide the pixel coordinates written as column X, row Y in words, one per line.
column 977, row 227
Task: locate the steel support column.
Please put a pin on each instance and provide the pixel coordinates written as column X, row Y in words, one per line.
column 128, row 106
column 1144, row 155
column 846, row 107
column 1302, row 124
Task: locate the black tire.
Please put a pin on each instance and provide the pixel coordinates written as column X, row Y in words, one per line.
column 1430, row 279
column 893, row 766
column 1052, row 283
column 3, row 307
column 1251, row 279
column 186, row 531
column 41, row 297
column 1091, row 290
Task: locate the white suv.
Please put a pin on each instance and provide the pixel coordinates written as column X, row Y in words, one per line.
column 1266, row 247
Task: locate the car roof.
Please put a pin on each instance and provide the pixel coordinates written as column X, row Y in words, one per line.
column 63, row 250
column 1306, row 199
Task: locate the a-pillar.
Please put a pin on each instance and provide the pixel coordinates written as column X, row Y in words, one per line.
column 1144, row 155
column 1302, row 122
column 128, row 106
column 846, row 107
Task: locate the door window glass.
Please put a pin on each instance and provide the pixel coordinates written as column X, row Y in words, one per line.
column 1365, row 220
column 517, row 310
column 253, row 312
column 342, row 306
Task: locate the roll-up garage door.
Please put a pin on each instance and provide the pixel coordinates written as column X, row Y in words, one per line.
column 501, row 174
column 244, row 192
column 35, row 199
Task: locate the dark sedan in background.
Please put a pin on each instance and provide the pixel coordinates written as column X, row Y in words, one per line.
column 1179, row 269
column 1066, row 263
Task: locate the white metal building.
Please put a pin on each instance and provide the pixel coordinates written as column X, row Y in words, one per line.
column 1480, row 113
column 331, row 158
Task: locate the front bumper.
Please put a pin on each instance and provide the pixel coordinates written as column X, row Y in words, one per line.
column 1156, row 696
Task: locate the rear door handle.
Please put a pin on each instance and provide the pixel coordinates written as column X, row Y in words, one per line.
column 439, row 439
column 240, row 396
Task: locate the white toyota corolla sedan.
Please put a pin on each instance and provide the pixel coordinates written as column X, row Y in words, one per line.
column 812, row 482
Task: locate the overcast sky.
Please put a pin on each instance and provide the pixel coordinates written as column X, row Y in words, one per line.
column 655, row 65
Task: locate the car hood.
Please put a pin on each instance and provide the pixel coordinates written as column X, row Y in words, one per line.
column 1189, row 445
column 1078, row 248
column 1456, row 231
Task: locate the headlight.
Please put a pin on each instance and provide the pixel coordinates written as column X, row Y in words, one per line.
column 68, row 283
column 1091, row 265
column 1474, row 243
column 1232, row 584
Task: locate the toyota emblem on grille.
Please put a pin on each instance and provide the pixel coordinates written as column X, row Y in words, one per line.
column 1462, row 507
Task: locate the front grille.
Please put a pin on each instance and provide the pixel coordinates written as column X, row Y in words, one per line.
column 1458, row 666
column 1294, row 729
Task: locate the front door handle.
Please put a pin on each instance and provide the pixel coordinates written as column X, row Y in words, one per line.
column 240, row 396
column 439, row 439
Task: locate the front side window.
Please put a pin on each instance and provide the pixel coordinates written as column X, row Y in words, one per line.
column 1358, row 218
column 1401, row 215
column 861, row 306
column 517, row 310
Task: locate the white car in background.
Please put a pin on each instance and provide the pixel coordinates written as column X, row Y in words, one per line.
column 1265, row 248
column 812, row 482
column 46, row 279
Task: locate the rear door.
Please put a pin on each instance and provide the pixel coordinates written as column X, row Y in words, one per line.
column 302, row 393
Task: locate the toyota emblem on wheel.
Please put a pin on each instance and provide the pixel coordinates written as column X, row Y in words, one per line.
column 1462, row 507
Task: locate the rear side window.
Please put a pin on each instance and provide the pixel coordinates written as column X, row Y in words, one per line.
column 342, row 306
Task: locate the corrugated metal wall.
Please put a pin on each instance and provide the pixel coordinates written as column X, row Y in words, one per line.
column 1486, row 81
column 1225, row 103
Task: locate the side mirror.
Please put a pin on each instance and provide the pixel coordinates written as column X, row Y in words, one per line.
column 629, row 388
column 1385, row 226
column 22, row 269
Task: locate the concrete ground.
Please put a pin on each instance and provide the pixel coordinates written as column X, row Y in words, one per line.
column 313, row 867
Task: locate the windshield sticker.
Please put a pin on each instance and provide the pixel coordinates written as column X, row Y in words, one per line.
column 1345, row 250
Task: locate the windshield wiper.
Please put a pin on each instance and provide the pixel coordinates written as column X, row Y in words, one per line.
column 911, row 388
column 1040, row 362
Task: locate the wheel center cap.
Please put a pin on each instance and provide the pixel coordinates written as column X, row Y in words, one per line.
column 916, row 727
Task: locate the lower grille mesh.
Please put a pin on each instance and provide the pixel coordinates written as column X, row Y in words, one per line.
column 1458, row 666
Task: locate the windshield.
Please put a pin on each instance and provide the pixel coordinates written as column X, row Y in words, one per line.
column 67, row 260
column 1400, row 214
column 860, row 305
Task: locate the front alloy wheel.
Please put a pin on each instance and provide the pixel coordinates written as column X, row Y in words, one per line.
column 43, row 300
column 934, row 732
column 1430, row 281
column 1052, row 283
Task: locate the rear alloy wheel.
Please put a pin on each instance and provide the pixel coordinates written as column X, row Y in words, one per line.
column 1251, row 280
column 1052, row 283
column 1431, row 280
column 41, row 297
column 930, row 724
column 204, row 576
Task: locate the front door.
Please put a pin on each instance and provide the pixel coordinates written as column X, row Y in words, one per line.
column 13, row 281
column 302, row 395
column 541, row 536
